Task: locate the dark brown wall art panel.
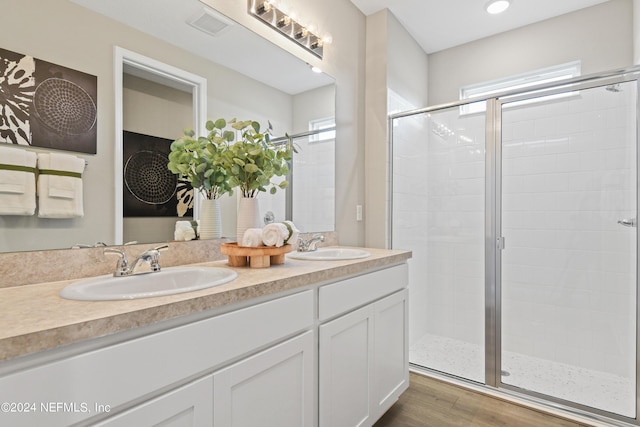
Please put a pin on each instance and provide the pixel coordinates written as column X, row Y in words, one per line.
column 46, row 105
column 150, row 187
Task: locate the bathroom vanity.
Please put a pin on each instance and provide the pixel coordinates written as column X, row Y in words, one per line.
column 306, row 343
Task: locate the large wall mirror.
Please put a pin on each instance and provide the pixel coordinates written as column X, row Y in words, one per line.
column 246, row 77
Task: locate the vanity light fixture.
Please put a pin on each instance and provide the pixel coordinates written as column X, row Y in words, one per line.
column 305, row 36
column 497, row 6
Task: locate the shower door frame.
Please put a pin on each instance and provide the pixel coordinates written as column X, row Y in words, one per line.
column 494, row 150
column 494, row 242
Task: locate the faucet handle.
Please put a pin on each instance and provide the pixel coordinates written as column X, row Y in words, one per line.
column 154, row 256
column 122, row 267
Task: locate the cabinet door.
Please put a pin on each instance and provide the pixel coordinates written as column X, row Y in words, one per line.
column 187, row 406
column 391, row 351
column 346, row 350
column 272, row 388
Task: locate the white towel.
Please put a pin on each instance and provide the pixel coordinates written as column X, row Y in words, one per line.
column 274, row 234
column 252, row 237
column 17, row 188
column 59, row 196
column 184, row 231
column 293, row 232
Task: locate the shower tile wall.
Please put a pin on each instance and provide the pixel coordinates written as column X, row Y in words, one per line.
column 410, row 212
column 409, row 180
column 455, row 222
column 568, row 274
column 438, row 188
column 314, row 185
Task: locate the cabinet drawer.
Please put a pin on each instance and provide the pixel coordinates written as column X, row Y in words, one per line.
column 348, row 294
column 120, row 373
column 190, row 405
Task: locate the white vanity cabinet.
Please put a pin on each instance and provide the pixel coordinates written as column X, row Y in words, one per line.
column 132, row 378
column 324, row 354
column 274, row 387
column 363, row 348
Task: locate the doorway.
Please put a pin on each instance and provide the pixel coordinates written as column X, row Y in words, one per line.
column 139, row 66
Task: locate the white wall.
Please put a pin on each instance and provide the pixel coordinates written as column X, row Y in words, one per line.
column 312, row 105
column 396, row 81
column 396, row 63
column 599, row 36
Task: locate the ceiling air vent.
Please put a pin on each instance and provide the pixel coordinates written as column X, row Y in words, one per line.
column 210, row 22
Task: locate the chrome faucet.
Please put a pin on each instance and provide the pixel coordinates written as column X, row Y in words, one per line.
column 83, row 245
column 151, row 256
column 311, row 244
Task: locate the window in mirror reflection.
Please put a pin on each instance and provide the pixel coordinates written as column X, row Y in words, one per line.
column 314, row 172
column 327, row 125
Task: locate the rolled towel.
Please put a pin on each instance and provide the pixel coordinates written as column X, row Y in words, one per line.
column 293, row 232
column 274, row 234
column 184, row 231
column 252, row 237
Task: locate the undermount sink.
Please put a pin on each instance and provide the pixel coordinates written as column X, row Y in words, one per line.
column 330, row 254
column 169, row 281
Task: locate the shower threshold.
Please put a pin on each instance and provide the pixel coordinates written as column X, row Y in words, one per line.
column 599, row 390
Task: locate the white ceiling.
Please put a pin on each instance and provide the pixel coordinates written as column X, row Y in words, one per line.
column 441, row 24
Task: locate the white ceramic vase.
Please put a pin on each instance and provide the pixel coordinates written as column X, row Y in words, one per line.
column 248, row 216
column 210, row 220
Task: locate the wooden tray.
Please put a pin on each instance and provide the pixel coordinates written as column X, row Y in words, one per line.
column 259, row 257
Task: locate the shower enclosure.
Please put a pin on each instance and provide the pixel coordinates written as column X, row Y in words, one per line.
column 520, row 210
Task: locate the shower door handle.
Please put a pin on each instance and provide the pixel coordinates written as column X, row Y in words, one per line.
column 630, row 222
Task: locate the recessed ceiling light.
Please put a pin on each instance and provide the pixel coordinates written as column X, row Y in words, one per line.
column 316, row 69
column 497, row 6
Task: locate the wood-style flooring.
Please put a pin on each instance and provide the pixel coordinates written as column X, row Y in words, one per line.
column 430, row 402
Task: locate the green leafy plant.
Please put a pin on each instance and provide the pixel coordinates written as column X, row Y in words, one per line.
column 200, row 161
column 250, row 159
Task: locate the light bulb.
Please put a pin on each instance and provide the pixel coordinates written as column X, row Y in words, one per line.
column 264, row 8
column 302, row 33
column 284, row 21
column 316, row 43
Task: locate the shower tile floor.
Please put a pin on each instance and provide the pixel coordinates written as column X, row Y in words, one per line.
column 596, row 389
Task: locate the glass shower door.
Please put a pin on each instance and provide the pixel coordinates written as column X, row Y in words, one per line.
column 569, row 262
column 438, row 213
